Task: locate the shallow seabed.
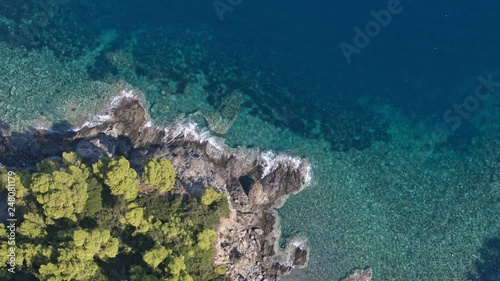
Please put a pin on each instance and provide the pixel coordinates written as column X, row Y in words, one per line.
column 406, row 213
column 379, row 198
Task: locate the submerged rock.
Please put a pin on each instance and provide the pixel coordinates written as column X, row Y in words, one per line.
column 359, row 275
column 222, row 120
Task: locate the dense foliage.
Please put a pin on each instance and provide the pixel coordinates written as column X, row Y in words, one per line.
column 77, row 222
column 160, row 174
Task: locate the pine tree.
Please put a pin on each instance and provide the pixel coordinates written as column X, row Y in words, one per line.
column 118, row 176
column 210, row 196
column 156, row 255
column 62, row 193
column 159, row 174
column 206, row 238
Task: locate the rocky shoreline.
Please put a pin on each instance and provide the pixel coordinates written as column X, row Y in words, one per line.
column 255, row 182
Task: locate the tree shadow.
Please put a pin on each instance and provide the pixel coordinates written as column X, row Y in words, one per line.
column 23, row 150
column 488, row 263
column 4, row 140
column 61, row 127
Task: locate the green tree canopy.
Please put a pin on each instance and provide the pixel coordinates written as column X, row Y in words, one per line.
column 117, row 174
column 156, row 255
column 95, row 243
column 15, row 181
column 76, row 260
column 33, row 226
column 135, row 216
column 62, row 193
column 206, row 238
column 173, row 238
column 94, row 200
column 210, row 196
column 176, row 266
column 159, row 174
column 138, row 273
column 68, row 267
column 30, row 254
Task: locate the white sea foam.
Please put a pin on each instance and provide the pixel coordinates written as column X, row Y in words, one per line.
column 189, row 130
column 307, row 176
column 124, row 94
column 96, row 121
column 271, row 161
column 113, row 104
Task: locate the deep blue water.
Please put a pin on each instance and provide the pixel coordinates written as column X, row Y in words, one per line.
column 424, row 60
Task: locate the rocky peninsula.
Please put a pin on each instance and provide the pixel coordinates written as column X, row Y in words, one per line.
column 254, row 182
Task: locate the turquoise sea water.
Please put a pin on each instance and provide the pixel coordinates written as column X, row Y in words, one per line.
column 405, row 151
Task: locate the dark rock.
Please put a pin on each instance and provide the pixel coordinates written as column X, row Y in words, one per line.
column 300, row 257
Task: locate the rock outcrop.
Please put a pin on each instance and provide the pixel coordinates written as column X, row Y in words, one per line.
column 255, row 182
column 359, row 275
